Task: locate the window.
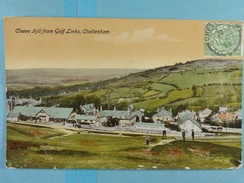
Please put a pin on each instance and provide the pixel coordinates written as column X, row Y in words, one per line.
column 42, row 118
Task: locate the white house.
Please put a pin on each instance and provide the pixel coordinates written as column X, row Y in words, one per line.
column 187, row 123
column 86, row 119
column 203, row 114
column 238, row 114
column 162, row 116
column 223, row 109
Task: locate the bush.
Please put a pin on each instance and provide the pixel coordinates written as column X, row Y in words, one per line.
column 153, row 140
column 214, row 123
column 172, row 127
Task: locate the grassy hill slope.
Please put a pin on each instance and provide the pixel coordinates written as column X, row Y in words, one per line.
column 217, row 82
column 21, row 78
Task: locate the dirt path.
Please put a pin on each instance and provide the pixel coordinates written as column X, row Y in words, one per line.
column 63, row 129
column 66, row 131
column 162, row 142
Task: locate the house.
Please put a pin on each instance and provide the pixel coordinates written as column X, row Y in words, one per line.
column 23, row 112
column 191, row 114
column 223, row 109
column 216, row 118
column 238, row 114
column 13, row 116
column 56, row 114
column 140, row 115
column 82, row 119
column 226, row 117
column 203, row 114
column 41, row 114
column 88, row 109
column 223, row 117
column 187, row 123
column 125, row 117
column 16, row 101
column 162, row 116
column 100, row 122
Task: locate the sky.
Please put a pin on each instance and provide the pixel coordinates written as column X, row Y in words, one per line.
column 130, row 43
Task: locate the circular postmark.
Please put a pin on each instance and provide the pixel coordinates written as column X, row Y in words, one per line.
column 222, row 39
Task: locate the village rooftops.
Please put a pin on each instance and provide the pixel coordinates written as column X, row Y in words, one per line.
column 163, row 112
column 120, row 114
column 88, row 107
column 102, row 120
column 58, row 112
column 84, row 117
column 14, row 114
column 30, row 101
column 53, row 112
column 205, row 112
column 227, row 117
column 188, row 113
column 25, row 111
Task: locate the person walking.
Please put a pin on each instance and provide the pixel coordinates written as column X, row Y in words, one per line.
column 183, row 135
column 164, row 134
column 147, row 139
column 192, row 134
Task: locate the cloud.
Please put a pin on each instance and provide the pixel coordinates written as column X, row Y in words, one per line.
column 138, row 36
column 103, row 38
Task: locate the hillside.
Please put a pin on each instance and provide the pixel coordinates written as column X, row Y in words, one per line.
column 194, row 84
column 27, row 78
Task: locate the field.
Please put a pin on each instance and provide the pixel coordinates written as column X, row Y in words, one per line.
column 194, row 85
column 217, row 83
column 172, row 96
column 20, row 79
column 200, row 78
column 43, row 147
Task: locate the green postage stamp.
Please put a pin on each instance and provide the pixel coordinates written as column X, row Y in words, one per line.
column 223, row 39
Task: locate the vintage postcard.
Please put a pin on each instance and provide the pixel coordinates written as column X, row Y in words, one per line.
column 123, row 93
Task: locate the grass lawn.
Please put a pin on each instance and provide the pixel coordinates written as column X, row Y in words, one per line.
column 163, row 88
column 199, row 155
column 174, row 95
column 37, row 147
column 187, row 79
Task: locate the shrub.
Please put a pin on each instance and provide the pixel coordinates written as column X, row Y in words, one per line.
column 172, row 127
column 153, row 140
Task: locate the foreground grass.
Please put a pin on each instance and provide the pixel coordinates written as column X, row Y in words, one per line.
column 32, row 147
column 199, row 155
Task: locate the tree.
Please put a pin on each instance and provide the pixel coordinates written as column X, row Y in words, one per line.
column 194, row 90
column 123, row 105
column 93, row 99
